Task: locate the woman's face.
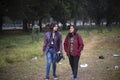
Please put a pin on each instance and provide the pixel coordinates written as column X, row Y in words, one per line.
column 71, row 29
column 55, row 28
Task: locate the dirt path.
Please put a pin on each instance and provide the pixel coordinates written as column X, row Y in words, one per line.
column 97, row 69
column 87, row 57
column 64, row 70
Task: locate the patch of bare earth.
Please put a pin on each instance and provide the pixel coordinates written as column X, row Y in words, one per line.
column 97, row 69
column 100, row 69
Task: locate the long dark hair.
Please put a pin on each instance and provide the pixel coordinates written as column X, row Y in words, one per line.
column 51, row 29
column 52, row 25
column 75, row 30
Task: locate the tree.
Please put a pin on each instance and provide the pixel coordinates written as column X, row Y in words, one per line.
column 38, row 10
column 29, row 10
column 76, row 10
column 112, row 12
column 43, row 9
column 61, row 12
column 95, row 10
column 3, row 10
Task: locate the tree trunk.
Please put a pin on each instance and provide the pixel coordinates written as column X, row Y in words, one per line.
column 64, row 24
column 98, row 21
column 108, row 22
column 83, row 21
column 75, row 21
column 25, row 25
column 1, row 22
column 40, row 24
column 108, row 25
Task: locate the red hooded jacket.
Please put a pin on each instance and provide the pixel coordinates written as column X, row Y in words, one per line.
column 78, row 45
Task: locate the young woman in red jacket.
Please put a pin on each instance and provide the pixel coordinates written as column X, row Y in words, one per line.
column 73, row 45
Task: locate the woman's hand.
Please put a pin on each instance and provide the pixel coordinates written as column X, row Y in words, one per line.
column 59, row 52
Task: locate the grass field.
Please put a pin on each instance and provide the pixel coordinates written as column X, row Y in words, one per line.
column 17, row 53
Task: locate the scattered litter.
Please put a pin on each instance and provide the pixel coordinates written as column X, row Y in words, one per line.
column 107, row 68
column 83, row 65
column 101, row 57
column 59, row 63
column 116, row 67
column 116, row 55
column 34, row 58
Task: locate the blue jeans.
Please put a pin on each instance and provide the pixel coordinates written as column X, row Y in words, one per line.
column 50, row 56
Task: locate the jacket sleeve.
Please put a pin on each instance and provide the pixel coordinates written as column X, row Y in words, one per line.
column 81, row 44
column 45, row 43
column 66, row 45
column 60, row 46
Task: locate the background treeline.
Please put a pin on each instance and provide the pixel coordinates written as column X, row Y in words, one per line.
column 97, row 11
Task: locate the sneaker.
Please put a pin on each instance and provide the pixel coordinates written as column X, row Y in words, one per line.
column 75, row 78
column 55, row 77
column 46, row 79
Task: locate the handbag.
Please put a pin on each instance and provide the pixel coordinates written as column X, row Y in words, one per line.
column 59, row 57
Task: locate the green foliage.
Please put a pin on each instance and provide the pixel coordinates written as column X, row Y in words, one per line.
column 61, row 11
column 3, row 65
column 16, row 48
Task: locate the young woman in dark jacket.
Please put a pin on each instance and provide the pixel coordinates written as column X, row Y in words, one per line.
column 51, row 47
column 73, row 45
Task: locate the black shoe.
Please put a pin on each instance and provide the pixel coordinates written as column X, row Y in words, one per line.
column 55, row 77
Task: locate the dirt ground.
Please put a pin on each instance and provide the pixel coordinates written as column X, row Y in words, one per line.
column 97, row 69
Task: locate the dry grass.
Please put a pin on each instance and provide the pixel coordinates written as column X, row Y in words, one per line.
column 22, row 67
